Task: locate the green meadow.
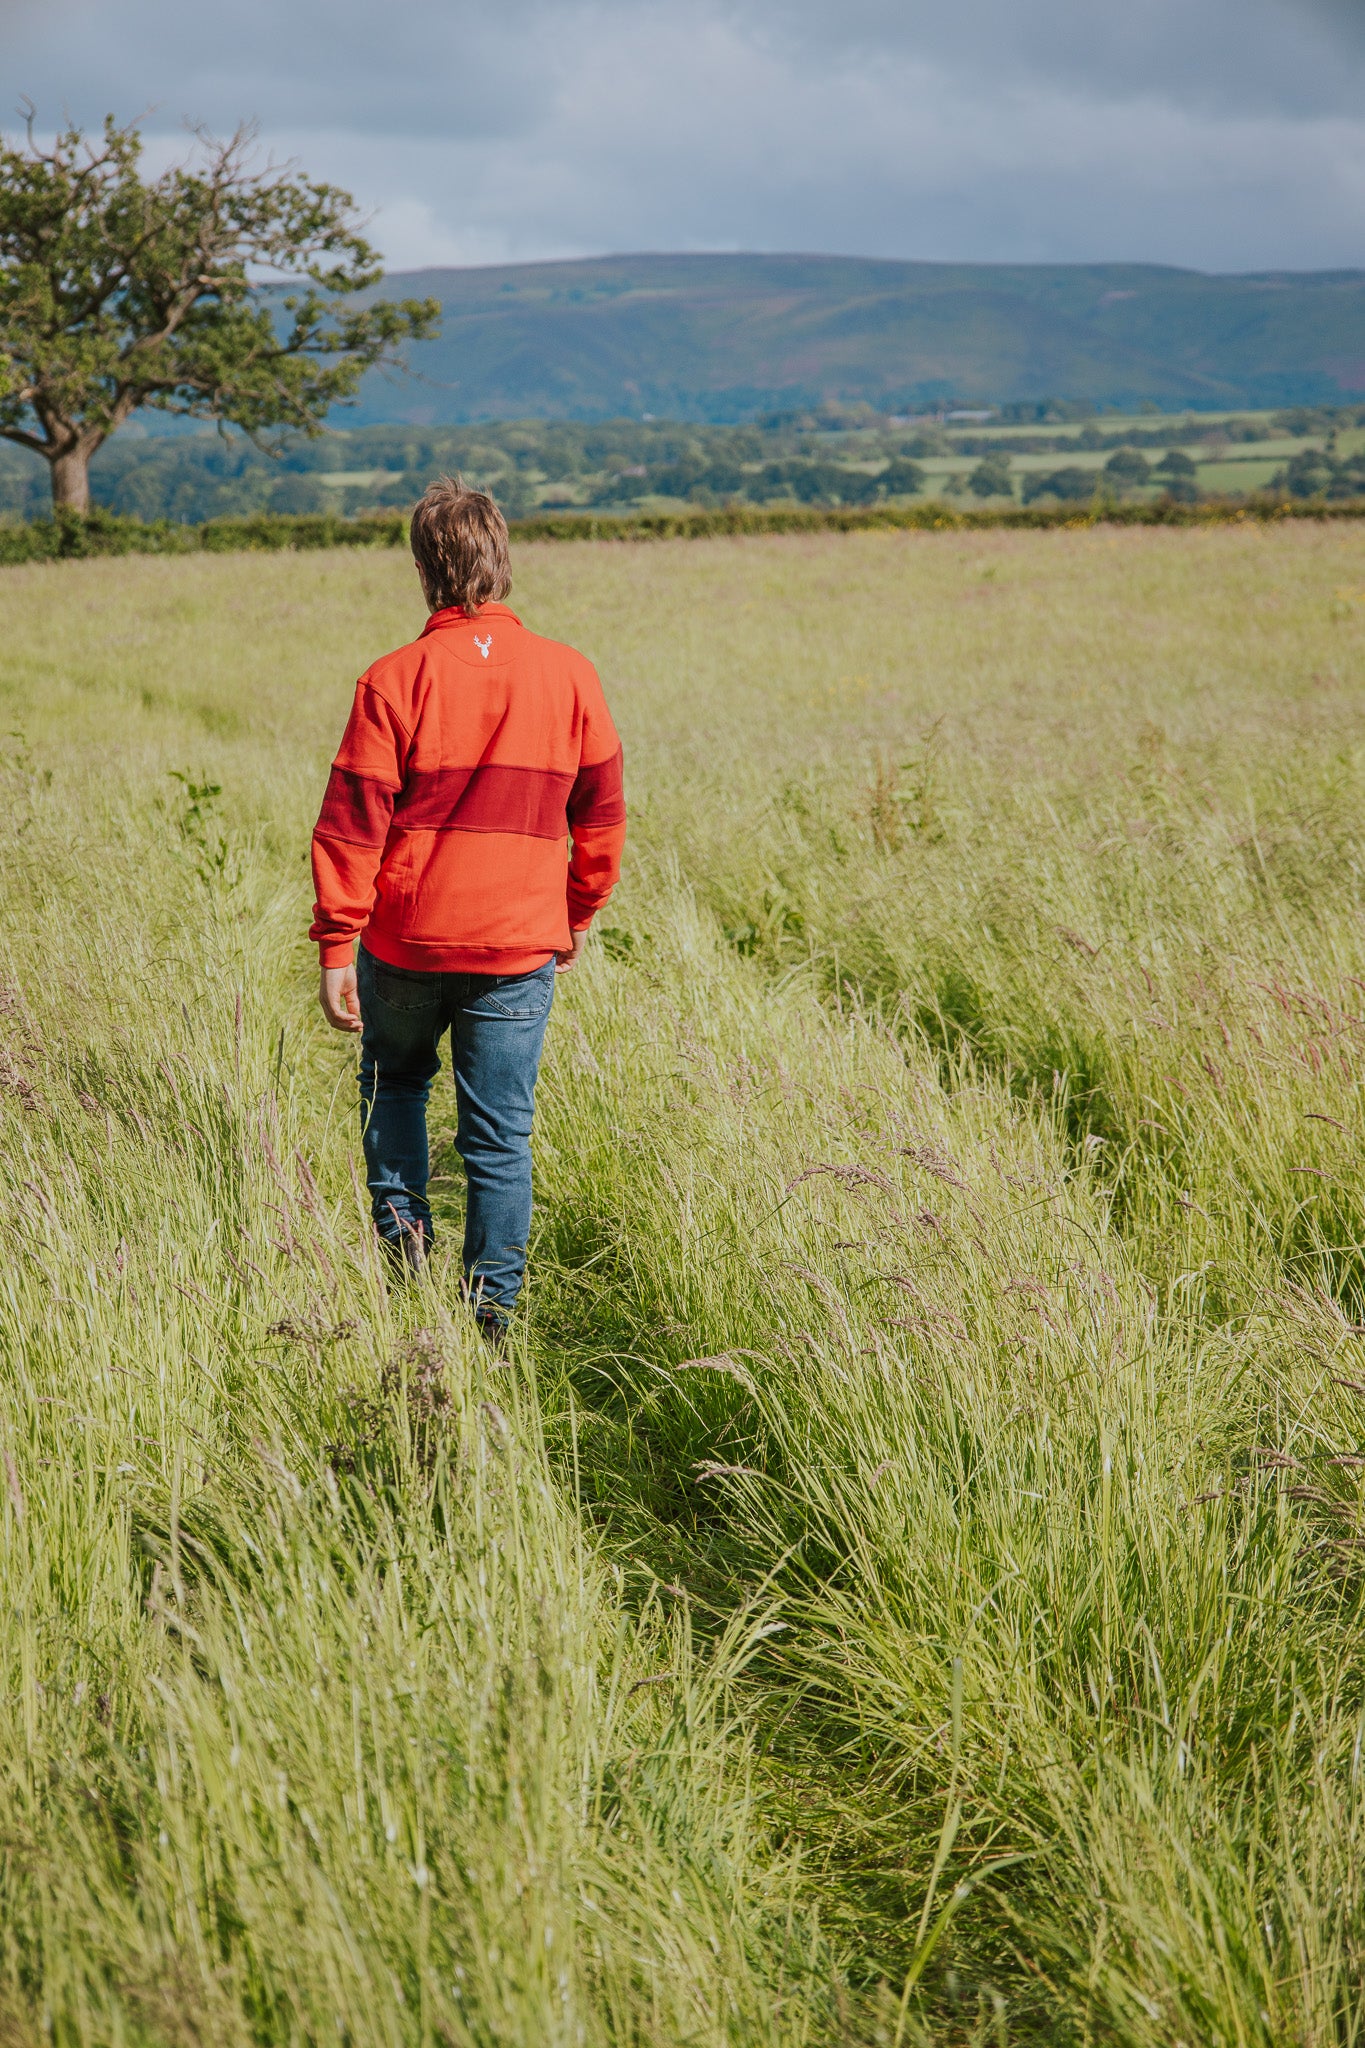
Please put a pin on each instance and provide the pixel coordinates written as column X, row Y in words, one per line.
column 908, row 1585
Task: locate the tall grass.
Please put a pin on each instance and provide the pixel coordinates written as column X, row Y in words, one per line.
column 907, row 1584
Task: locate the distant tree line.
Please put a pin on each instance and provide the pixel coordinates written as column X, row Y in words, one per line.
column 1322, row 473
column 526, row 465
column 1126, row 470
column 1186, row 432
column 538, row 465
column 1303, row 420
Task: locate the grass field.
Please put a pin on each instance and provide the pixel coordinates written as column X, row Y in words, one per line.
column 908, row 1586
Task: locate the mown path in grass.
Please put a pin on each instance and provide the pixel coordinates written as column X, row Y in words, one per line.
column 909, row 1586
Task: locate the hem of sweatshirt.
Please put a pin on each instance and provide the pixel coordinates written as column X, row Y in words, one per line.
column 422, row 958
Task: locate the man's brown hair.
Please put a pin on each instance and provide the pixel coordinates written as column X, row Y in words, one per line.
column 459, row 542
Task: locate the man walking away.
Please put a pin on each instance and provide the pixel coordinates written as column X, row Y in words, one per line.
column 469, row 760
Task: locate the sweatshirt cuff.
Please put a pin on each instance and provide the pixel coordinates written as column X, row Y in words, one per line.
column 337, row 952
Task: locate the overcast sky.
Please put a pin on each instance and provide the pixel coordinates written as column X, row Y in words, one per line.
column 1221, row 134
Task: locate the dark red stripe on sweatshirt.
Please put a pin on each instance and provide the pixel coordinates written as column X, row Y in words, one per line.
column 356, row 809
column 490, row 798
column 598, row 794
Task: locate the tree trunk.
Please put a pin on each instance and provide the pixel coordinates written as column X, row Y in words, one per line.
column 71, row 480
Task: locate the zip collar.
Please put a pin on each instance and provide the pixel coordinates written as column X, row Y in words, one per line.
column 456, row 615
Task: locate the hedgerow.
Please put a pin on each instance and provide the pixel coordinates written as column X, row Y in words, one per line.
column 68, row 536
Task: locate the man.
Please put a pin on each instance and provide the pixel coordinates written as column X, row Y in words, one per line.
column 469, row 760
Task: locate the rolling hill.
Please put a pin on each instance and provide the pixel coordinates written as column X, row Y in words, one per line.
column 724, row 337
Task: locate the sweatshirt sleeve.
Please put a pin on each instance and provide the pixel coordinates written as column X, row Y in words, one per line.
column 597, row 811
column 349, row 837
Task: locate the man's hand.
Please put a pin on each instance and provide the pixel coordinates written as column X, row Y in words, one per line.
column 572, row 954
column 339, row 998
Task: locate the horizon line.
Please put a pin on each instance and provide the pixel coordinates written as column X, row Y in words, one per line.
column 890, row 262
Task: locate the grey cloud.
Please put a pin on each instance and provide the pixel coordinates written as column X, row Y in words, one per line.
column 1218, row 133
column 1246, row 56
column 452, row 66
column 420, row 68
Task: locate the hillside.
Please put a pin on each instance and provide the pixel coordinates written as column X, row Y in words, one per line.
column 724, row 337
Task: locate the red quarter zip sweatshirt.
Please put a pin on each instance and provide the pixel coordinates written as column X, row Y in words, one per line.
column 470, row 760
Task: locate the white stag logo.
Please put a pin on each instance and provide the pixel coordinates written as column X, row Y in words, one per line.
column 483, row 645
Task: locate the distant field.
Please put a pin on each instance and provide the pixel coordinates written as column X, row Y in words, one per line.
column 1237, row 472
column 909, row 1587
column 824, row 456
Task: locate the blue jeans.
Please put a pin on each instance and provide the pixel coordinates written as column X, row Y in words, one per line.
column 497, row 1026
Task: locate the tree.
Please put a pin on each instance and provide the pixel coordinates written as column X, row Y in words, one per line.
column 618, row 487
column 901, row 479
column 1177, row 474
column 1316, row 473
column 118, row 292
column 1127, row 467
column 991, row 478
column 1073, row 485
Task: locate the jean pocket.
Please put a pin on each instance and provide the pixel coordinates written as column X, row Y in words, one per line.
column 522, row 998
column 400, row 991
